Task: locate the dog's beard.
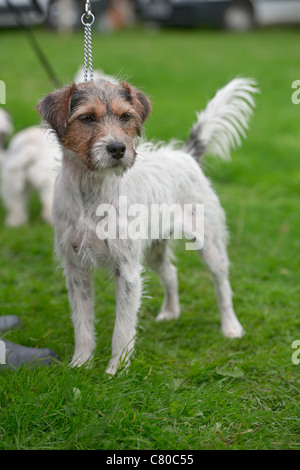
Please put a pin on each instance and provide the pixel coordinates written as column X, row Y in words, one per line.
column 101, row 160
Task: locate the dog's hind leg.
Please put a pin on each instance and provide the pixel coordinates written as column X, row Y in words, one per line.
column 159, row 261
column 215, row 257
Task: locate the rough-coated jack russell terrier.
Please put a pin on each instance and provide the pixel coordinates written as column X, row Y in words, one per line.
column 97, row 124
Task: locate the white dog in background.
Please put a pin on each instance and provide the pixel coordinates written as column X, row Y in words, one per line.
column 29, row 165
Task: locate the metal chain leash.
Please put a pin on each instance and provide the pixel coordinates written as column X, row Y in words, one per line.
column 87, row 20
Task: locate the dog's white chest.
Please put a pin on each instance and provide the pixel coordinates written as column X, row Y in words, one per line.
column 87, row 249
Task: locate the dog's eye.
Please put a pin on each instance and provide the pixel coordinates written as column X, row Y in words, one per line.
column 87, row 118
column 125, row 117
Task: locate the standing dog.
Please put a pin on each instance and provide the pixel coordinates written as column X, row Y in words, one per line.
column 97, row 124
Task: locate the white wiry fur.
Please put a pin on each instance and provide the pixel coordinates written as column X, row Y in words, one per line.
column 97, row 74
column 221, row 126
column 29, row 165
column 160, row 175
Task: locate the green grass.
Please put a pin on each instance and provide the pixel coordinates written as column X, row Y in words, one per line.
column 188, row 387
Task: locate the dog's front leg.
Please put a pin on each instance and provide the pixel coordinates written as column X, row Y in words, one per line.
column 128, row 296
column 80, row 289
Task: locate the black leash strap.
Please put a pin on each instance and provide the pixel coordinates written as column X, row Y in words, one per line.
column 33, row 42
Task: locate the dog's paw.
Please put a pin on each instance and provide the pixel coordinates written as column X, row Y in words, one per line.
column 117, row 366
column 233, row 330
column 82, row 360
column 165, row 315
column 12, row 221
column 111, row 369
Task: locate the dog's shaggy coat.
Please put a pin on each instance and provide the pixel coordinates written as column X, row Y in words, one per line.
column 97, row 125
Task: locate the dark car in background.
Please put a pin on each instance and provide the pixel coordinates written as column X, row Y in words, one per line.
column 229, row 14
column 49, row 12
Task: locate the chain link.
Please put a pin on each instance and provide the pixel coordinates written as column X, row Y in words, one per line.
column 87, row 20
column 88, row 10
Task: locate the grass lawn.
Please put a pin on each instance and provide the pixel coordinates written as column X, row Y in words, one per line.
column 188, row 387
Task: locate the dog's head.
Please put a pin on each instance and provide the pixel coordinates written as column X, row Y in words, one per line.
column 98, row 121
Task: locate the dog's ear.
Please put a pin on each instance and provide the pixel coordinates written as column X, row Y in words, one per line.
column 55, row 109
column 139, row 101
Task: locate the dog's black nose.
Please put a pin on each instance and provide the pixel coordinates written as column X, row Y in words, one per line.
column 117, row 150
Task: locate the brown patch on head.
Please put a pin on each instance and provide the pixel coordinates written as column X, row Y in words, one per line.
column 126, row 118
column 86, row 95
column 81, row 138
column 55, row 108
column 139, row 101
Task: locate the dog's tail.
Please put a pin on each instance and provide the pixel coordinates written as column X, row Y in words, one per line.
column 222, row 125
